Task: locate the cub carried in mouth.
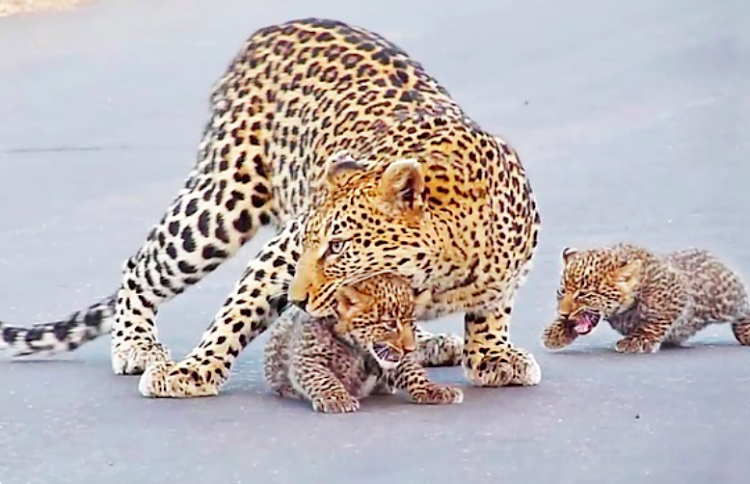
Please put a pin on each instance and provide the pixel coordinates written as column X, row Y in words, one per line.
column 647, row 297
column 368, row 348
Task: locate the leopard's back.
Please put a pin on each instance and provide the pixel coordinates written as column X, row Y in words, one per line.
column 317, row 86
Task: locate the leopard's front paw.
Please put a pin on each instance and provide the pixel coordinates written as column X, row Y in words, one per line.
column 637, row 343
column 437, row 395
column 511, row 366
column 526, row 370
column 441, row 350
column 131, row 357
column 556, row 336
column 178, row 380
column 335, row 404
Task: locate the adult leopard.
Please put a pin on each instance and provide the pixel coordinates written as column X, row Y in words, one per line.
column 365, row 165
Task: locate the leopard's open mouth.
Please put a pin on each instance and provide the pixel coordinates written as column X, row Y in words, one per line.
column 585, row 322
column 386, row 356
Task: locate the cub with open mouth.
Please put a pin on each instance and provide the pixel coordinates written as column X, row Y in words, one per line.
column 647, row 297
column 583, row 322
column 368, row 348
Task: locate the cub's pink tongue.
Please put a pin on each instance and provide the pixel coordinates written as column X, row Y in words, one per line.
column 583, row 325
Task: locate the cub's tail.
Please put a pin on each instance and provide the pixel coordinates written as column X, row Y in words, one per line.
column 65, row 335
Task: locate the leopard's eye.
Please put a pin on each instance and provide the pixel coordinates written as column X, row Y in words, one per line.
column 335, row 246
column 390, row 324
column 560, row 293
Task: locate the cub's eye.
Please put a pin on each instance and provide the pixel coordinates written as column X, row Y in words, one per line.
column 560, row 293
column 335, row 246
column 390, row 325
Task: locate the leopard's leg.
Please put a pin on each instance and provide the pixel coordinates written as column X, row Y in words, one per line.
column 411, row 377
column 254, row 303
column 441, row 349
column 224, row 201
column 490, row 359
column 741, row 330
column 557, row 335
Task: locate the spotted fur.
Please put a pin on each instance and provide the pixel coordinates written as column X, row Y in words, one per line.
column 364, row 164
column 334, row 362
column 649, row 298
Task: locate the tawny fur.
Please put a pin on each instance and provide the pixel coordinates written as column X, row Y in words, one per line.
column 649, row 298
column 363, row 164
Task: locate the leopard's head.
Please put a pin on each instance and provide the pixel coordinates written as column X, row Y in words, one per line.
column 376, row 315
column 368, row 222
column 596, row 284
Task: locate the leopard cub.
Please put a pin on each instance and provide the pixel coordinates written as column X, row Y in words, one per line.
column 647, row 297
column 368, row 348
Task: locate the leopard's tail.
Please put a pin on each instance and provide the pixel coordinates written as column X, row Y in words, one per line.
column 59, row 336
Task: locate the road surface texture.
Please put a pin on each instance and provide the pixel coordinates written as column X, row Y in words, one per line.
column 18, row 7
column 632, row 118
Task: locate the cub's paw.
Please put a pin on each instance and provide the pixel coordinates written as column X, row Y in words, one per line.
column 441, row 350
column 435, row 394
column 335, row 404
column 131, row 357
column 178, row 380
column 556, row 336
column 637, row 344
column 741, row 331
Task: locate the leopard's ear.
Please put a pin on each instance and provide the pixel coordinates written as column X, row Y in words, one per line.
column 339, row 167
column 567, row 253
column 402, row 185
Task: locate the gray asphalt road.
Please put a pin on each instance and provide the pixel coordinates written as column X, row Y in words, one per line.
column 631, row 116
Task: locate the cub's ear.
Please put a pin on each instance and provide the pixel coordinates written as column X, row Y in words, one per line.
column 402, row 185
column 348, row 299
column 567, row 253
column 339, row 168
column 630, row 272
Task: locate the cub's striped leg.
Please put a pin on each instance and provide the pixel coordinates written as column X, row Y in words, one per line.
column 411, row 377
